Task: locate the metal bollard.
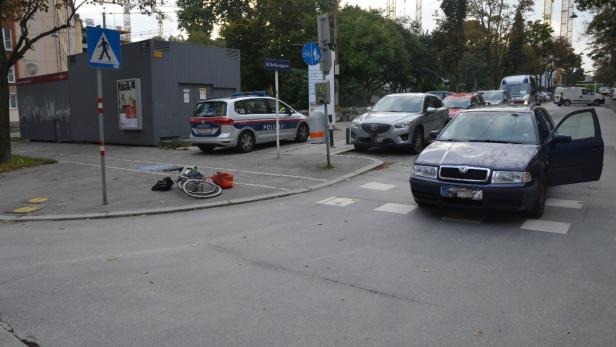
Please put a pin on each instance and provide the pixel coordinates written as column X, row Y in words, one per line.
column 348, row 136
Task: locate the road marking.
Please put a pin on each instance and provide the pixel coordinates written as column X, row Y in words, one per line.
column 564, row 203
column 461, row 217
column 340, row 202
column 396, row 208
column 166, row 174
column 546, row 226
column 378, row 186
column 204, row 167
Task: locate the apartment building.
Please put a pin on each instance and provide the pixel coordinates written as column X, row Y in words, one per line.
column 49, row 55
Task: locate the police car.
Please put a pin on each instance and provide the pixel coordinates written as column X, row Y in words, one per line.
column 243, row 121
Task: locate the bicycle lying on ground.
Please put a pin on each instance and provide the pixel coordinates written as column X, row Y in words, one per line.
column 196, row 185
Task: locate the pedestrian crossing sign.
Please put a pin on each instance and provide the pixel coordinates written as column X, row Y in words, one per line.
column 103, row 48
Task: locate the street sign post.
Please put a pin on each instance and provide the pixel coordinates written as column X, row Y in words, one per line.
column 277, row 65
column 325, row 43
column 103, row 53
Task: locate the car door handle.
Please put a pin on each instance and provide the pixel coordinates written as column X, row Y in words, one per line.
column 596, row 148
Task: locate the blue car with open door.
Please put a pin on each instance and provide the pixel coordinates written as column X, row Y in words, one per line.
column 504, row 157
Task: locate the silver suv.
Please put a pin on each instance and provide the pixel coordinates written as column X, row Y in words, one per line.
column 399, row 120
column 242, row 122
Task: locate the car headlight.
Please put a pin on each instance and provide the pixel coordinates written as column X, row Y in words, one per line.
column 511, row 177
column 402, row 125
column 424, row 171
column 355, row 123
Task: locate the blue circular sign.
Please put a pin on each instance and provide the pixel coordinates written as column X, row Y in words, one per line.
column 311, row 53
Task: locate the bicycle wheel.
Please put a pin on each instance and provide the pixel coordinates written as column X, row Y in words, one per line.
column 201, row 189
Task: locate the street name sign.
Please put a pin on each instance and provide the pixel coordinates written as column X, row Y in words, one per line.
column 281, row 65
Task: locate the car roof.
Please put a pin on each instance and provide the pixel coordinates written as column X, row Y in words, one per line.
column 461, row 95
column 236, row 98
column 505, row 108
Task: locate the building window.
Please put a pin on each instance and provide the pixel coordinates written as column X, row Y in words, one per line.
column 6, row 38
column 11, row 75
column 12, row 101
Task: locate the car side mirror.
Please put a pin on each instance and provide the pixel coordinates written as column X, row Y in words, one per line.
column 431, row 109
column 434, row 134
column 560, row 138
column 369, row 108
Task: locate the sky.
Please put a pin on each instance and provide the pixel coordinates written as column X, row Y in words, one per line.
column 144, row 27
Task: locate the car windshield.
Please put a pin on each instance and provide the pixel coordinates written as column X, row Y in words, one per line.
column 493, row 97
column 497, row 126
column 399, row 103
column 210, row 109
column 457, row 102
column 517, row 89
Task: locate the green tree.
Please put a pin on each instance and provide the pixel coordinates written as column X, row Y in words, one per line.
column 493, row 20
column 515, row 59
column 450, row 34
column 23, row 13
column 602, row 28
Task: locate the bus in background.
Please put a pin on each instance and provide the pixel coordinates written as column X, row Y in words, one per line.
column 521, row 88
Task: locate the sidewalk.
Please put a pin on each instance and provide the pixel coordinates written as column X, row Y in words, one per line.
column 71, row 189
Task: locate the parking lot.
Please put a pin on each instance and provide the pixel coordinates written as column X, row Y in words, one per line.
column 73, row 184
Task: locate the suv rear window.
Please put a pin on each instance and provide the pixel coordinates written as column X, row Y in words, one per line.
column 210, row 109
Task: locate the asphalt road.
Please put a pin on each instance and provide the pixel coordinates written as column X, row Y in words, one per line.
column 355, row 264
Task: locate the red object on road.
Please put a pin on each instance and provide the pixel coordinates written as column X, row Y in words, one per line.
column 223, row 179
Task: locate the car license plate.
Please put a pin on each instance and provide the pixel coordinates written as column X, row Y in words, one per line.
column 204, row 131
column 461, row 193
column 378, row 139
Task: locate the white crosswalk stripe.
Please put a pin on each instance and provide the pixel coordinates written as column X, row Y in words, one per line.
column 396, row 208
column 564, row 203
column 546, row 226
column 378, row 186
column 335, row 201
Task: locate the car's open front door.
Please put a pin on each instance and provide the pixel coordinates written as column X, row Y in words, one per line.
column 575, row 149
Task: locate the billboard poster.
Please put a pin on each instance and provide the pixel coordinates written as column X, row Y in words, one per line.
column 129, row 104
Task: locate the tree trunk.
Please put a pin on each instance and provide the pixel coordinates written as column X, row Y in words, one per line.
column 5, row 131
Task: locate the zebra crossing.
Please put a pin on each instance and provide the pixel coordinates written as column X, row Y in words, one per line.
column 542, row 225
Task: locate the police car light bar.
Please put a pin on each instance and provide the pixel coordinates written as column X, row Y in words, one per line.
column 251, row 93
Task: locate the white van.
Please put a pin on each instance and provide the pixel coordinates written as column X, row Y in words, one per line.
column 577, row 95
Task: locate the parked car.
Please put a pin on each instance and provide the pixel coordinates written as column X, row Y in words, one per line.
column 544, row 96
column 404, row 120
column 457, row 102
column 495, row 97
column 503, row 158
column 244, row 121
column 522, row 88
column 576, row 95
column 442, row 94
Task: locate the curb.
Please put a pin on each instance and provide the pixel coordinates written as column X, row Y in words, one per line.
column 192, row 207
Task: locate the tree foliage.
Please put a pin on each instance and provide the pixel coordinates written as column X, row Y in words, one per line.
column 602, row 29
column 450, row 38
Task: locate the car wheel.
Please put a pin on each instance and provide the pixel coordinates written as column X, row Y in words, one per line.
column 417, row 141
column 360, row 148
column 245, row 142
column 537, row 210
column 302, row 133
column 596, row 103
column 567, row 102
column 206, row 148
